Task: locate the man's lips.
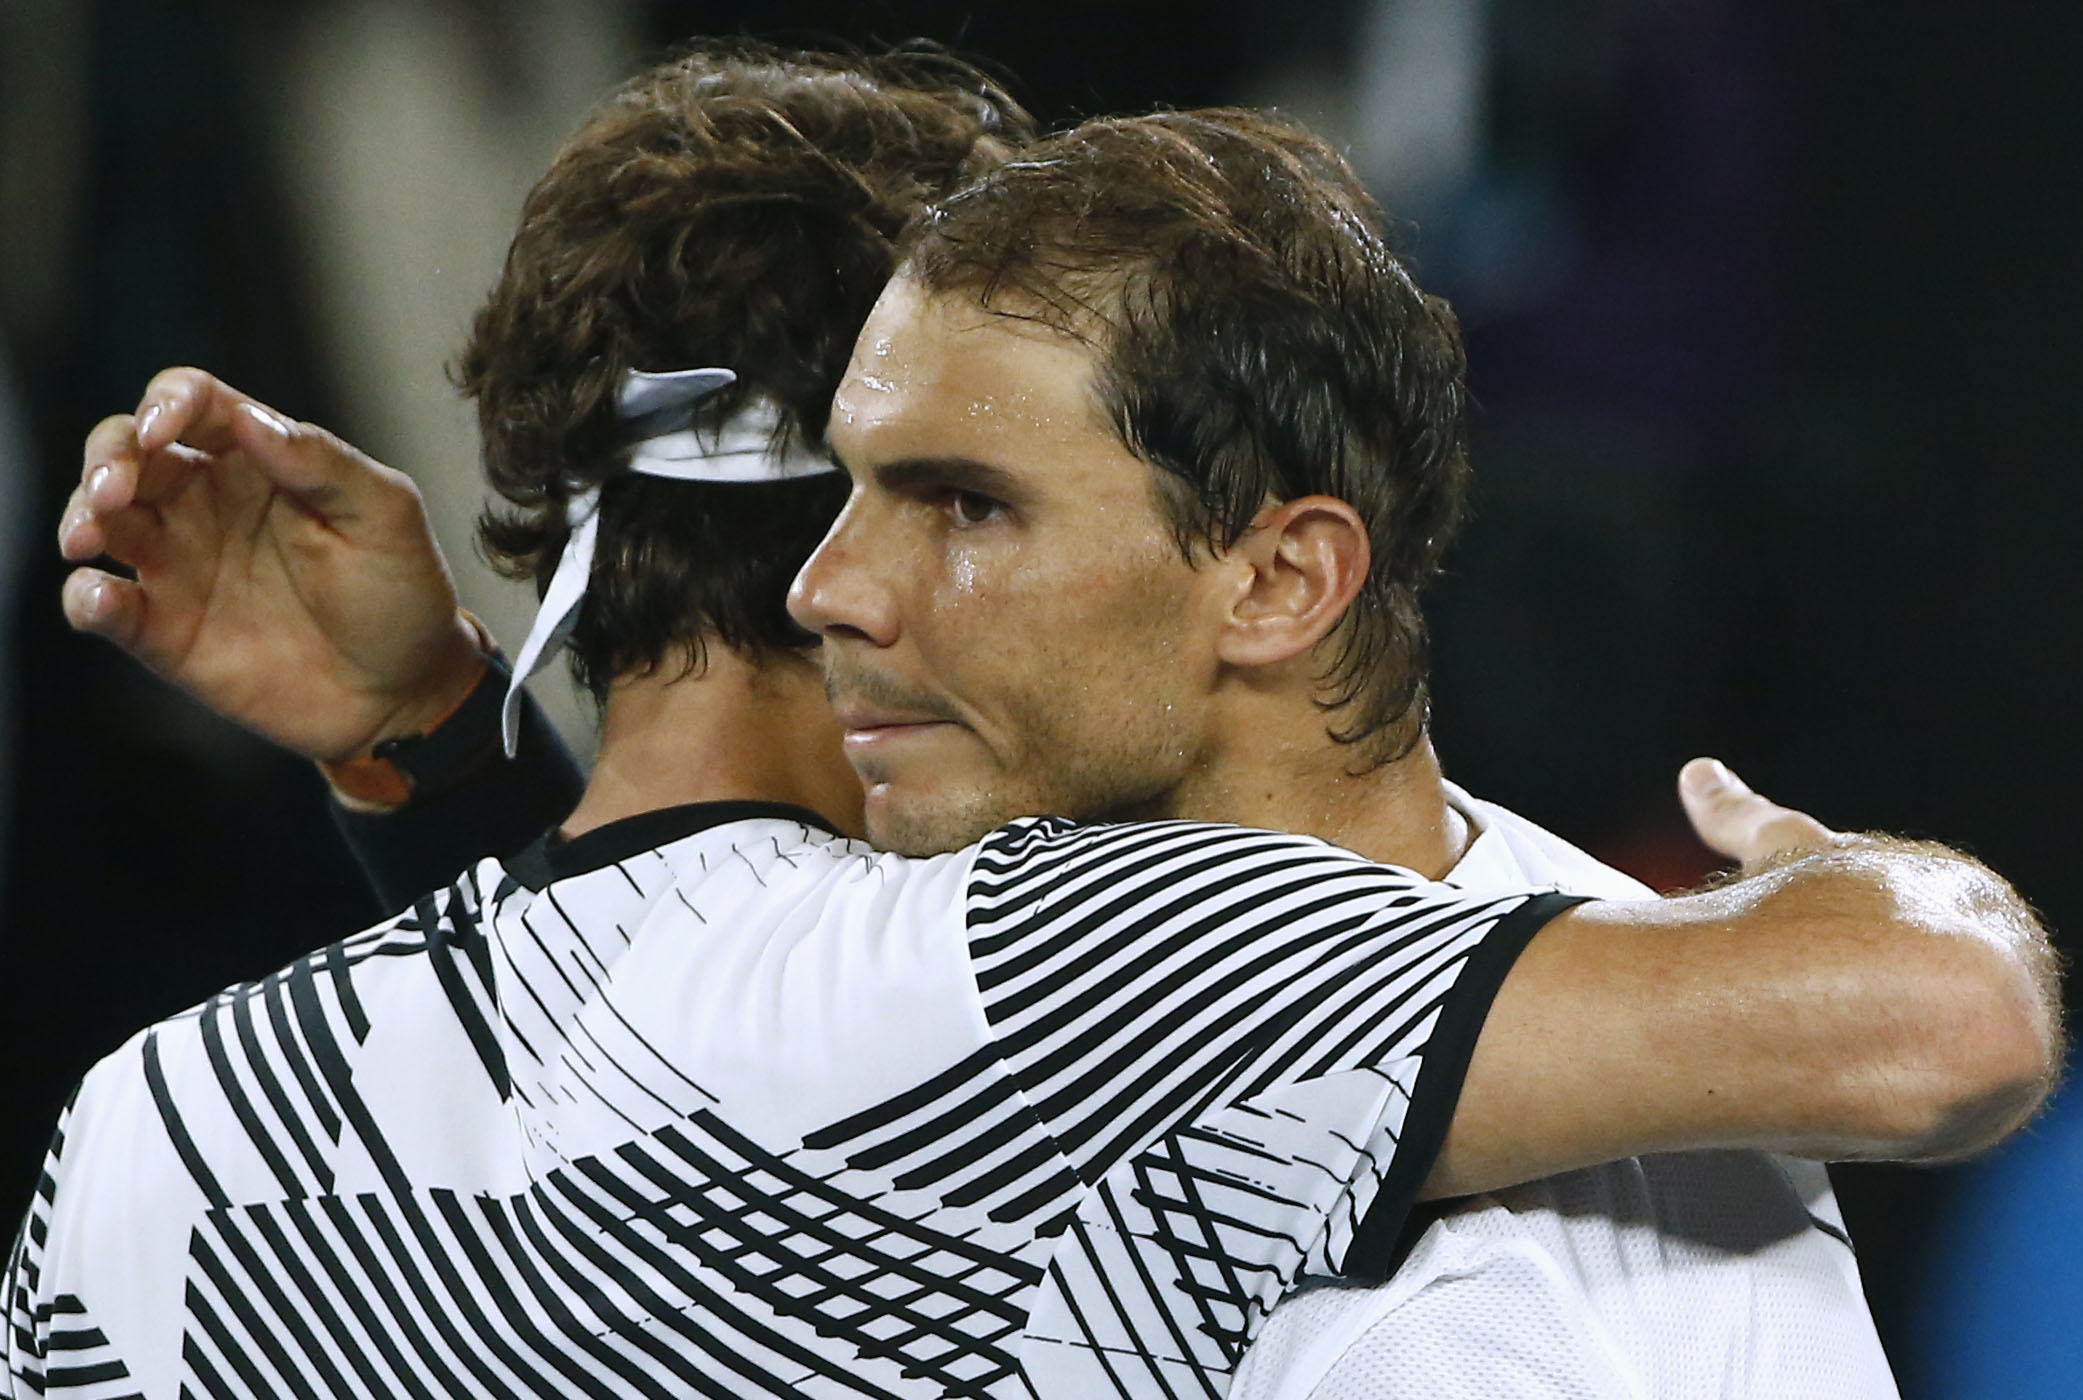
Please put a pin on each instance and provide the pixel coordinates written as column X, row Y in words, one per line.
column 869, row 725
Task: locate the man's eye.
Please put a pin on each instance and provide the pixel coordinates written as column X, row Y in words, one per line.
column 969, row 508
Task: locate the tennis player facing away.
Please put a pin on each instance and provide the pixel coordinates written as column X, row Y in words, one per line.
column 574, row 1117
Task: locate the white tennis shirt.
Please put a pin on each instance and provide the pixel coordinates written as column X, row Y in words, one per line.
column 1712, row 1274
column 712, row 1102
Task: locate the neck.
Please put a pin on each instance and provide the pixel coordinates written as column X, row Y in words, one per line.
column 731, row 729
column 1397, row 814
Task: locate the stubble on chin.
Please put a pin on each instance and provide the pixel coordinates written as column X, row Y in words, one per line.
column 1107, row 786
column 908, row 831
column 1126, row 766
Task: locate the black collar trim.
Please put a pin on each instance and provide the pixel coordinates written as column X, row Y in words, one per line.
column 551, row 858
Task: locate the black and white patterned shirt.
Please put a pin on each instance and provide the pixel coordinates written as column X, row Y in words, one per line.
column 712, row 1102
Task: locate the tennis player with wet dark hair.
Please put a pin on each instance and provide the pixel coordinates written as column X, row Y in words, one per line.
column 701, row 1096
column 1156, row 398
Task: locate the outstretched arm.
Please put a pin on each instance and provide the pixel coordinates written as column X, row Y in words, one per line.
column 1849, row 997
column 293, row 585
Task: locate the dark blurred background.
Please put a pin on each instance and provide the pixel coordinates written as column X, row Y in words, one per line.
column 1774, row 314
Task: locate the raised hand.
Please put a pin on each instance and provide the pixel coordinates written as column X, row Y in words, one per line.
column 1743, row 825
column 283, row 578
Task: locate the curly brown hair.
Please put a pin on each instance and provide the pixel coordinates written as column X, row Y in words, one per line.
column 735, row 206
column 1257, row 339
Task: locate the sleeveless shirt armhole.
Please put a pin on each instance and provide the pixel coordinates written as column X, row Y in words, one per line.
column 1374, row 1252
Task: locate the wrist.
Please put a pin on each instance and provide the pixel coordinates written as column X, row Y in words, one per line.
column 387, row 773
column 465, row 652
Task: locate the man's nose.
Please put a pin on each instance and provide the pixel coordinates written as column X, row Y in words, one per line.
column 839, row 592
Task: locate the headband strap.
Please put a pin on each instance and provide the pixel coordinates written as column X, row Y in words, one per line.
column 657, row 413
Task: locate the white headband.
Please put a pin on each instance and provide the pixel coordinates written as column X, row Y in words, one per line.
column 741, row 449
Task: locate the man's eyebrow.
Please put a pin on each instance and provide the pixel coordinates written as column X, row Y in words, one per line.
column 949, row 474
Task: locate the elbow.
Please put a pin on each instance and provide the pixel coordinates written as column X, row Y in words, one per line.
column 1980, row 1057
column 2000, row 1073
column 1970, row 1041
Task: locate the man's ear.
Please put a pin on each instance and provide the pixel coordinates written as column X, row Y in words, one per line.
column 1297, row 569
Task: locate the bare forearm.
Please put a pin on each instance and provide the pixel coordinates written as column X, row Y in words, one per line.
column 1880, row 999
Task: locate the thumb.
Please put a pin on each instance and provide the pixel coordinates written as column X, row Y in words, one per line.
column 190, row 409
column 326, row 475
column 1741, row 824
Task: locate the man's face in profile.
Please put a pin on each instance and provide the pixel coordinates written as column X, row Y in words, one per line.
column 1009, row 626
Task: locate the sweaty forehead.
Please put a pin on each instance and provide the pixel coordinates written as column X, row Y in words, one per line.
column 935, row 375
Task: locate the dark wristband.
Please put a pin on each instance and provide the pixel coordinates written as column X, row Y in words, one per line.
column 484, row 805
column 396, row 771
column 448, row 755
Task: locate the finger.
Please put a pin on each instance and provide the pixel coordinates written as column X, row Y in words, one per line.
column 1742, row 824
column 161, row 476
column 193, row 407
column 188, row 405
column 116, row 474
column 79, row 529
column 136, row 538
column 109, row 461
column 103, row 605
column 325, row 473
column 196, row 408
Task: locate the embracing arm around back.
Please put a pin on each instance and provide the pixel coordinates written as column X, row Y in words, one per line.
column 1849, row 997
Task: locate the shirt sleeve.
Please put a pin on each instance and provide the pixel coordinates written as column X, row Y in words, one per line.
column 29, row 1311
column 54, row 1343
column 495, row 807
column 1249, row 1044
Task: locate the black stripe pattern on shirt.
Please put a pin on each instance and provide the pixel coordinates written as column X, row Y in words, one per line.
column 1223, row 1030
column 52, row 1342
column 1197, row 1054
column 689, row 1262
